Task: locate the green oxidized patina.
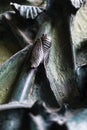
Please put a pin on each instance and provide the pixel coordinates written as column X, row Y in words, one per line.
column 54, row 83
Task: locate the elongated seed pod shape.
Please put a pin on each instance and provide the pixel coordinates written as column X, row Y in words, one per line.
column 46, row 42
column 37, row 54
column 26, row 11
column 40, row 51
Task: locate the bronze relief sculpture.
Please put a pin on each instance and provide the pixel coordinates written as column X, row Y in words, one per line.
column 50, row 66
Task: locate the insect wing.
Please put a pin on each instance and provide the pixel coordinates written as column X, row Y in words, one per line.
column 37, row 54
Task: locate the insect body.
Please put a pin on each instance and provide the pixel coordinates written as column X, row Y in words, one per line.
column 40, row 51
column 46, row 43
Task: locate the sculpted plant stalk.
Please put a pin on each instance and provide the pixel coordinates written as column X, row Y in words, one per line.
column 55, row 66
column 28, row 23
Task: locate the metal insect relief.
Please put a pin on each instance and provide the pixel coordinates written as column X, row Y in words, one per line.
column 40, row 51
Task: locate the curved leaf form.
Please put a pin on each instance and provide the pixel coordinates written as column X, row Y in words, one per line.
column 28, row 12
column 9, row 71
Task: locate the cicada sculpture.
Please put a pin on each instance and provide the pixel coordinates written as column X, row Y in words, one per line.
column 53, row 58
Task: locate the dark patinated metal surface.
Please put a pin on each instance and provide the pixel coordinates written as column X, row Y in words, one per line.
column 52, row 83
